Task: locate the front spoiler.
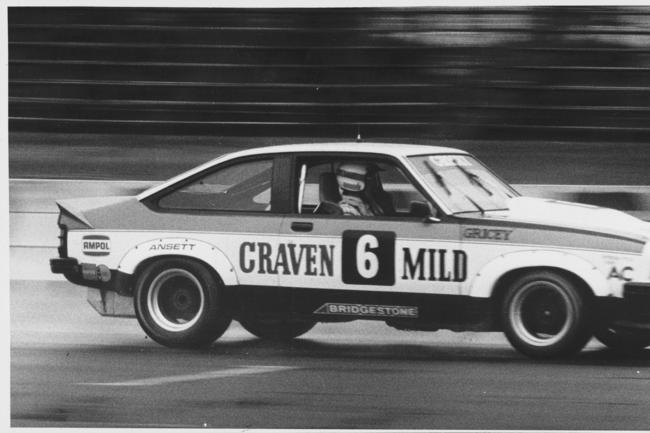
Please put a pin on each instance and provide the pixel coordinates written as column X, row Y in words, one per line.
column 633, row 310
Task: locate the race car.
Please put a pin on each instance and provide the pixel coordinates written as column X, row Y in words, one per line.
column 421, row 237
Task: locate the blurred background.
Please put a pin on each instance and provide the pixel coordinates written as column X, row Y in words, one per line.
column 544, row 95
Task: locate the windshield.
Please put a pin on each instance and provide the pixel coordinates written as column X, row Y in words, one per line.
column 462, row 183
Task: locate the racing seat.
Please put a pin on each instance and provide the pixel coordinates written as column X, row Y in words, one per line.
column 329, row 195
column 379, row 200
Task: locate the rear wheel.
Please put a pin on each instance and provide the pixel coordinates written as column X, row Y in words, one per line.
column 621, row 340
column 179, row 303
column 276, row 329
column 545, row 315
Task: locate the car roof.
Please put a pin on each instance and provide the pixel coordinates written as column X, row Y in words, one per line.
column 392, row 149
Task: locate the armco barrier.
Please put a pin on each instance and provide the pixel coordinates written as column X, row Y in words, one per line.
column 33, row 213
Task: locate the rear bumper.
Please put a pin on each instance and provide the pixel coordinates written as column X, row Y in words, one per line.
column 63, row 265
column 92, row 275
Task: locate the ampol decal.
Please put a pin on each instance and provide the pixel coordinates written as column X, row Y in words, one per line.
column 96, row 245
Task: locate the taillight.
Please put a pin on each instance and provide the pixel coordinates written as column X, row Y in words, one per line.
column 63, row 241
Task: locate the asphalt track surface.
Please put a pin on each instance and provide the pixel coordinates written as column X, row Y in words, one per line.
column 72, row 368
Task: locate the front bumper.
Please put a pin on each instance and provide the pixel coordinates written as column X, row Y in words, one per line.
column 631, row 312
column 92, row 275
column 634, row 309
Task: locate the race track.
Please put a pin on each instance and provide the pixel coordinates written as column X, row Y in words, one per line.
column 72, row 368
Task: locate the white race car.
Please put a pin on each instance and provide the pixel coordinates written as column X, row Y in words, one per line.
column 261, row 236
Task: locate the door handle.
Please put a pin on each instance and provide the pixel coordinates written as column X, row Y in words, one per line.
column 301, row 226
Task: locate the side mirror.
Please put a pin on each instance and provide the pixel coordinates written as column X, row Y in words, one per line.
column 422, row 210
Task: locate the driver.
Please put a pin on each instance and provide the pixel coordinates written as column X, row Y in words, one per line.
column 352, row 182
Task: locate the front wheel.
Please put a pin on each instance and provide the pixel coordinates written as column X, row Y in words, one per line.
column 179, row 303
column 276, row 329
column 622, row 341
column 545, row 315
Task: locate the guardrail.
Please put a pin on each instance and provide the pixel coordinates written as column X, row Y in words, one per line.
column 33, row 213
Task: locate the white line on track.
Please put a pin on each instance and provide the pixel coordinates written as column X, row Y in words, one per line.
column 216, row 374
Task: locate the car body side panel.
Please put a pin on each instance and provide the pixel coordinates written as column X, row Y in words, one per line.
column 126, row 250
column 384, row 255
column 316, row 259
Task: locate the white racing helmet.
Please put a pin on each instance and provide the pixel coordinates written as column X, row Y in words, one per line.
column 351, row 177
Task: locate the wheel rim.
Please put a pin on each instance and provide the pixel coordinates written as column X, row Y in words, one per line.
column 541, row 313
column 175, row 300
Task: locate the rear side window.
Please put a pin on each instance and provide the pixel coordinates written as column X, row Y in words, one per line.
column 245, row 186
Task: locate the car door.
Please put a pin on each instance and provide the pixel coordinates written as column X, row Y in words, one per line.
column 360, row 258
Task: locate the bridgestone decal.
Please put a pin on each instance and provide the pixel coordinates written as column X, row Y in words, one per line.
column 368, row 310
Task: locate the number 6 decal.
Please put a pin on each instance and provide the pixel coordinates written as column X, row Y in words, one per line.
column 367, row 261
column 368, row 257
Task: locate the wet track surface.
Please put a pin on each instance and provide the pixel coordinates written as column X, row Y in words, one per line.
column 72, row 368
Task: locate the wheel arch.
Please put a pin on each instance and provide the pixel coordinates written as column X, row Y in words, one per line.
column 141, row 255
column 146, row 262
column 492, row 280
column 503, row 283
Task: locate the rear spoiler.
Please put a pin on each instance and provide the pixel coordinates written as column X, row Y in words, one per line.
column 71, row 217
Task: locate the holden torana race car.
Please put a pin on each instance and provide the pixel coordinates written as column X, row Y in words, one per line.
column 420, row 237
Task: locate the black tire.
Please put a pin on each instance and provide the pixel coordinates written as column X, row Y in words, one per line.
column 276, row 329
column 622, row 341
column 545, row 315
column 180, row 303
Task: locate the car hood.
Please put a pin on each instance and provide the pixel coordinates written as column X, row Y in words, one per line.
column 574, row 216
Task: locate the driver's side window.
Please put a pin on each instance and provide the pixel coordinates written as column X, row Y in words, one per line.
column 386, row 191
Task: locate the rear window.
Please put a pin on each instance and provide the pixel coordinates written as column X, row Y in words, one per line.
column 242, row 187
